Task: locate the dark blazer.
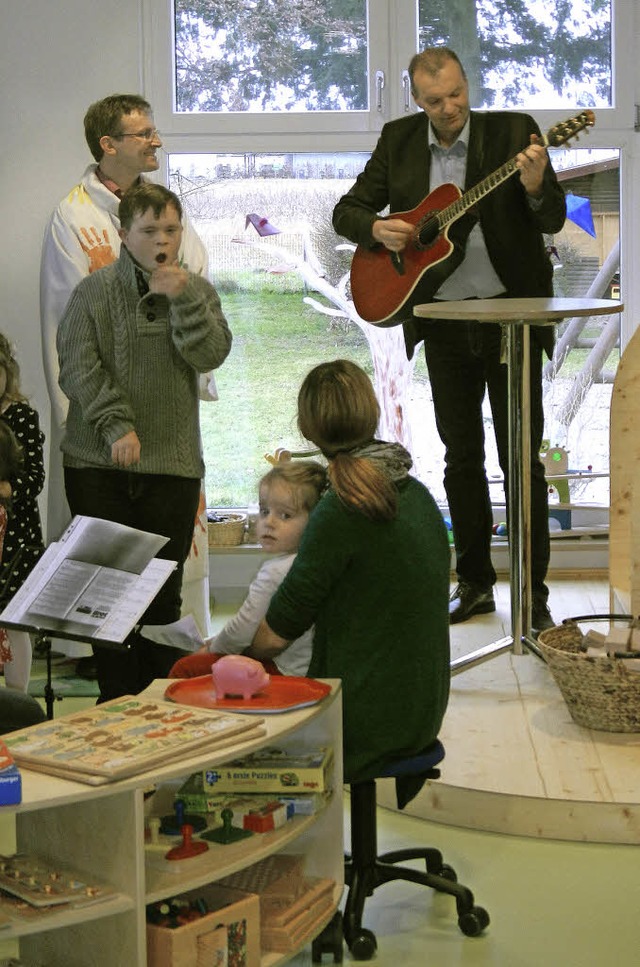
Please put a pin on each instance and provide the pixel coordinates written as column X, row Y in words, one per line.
column 397, row 176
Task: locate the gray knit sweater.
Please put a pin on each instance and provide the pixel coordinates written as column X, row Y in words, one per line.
column 131, row 362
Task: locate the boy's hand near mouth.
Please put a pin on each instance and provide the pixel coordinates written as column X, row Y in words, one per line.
column 169, row 280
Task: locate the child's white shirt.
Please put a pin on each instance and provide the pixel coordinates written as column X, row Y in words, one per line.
column 238, row 632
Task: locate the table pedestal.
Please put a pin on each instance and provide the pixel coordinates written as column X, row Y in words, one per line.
column 516, row 316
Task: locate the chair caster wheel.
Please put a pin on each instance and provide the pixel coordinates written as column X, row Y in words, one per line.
column 364, row 945
column 474, row 922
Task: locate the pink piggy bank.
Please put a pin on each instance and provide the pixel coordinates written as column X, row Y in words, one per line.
column 238, row 675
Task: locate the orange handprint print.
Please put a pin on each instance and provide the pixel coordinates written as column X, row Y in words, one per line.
column 98, row 249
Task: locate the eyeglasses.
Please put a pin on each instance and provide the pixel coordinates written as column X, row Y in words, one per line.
column 149, row 134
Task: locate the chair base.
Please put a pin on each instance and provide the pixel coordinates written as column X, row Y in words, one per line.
column 365, row 871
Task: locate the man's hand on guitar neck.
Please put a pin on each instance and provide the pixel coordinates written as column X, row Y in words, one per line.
column 532, row 162
column 393, row 233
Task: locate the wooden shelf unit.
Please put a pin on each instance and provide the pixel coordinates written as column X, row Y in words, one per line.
column 99, row 830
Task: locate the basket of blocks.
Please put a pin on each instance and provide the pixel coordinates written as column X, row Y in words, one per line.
column 225, row 529
column 601, row 690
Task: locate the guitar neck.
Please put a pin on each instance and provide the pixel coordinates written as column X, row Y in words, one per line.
column 466, row 201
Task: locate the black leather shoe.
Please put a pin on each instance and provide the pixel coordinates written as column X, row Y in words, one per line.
column 541, row 618
column 468, row 600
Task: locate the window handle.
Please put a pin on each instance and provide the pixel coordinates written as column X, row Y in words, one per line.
column 406, row 90
column 379, row 89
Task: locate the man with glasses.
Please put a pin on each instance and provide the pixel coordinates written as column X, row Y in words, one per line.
column 82, row 236
column 502, row 252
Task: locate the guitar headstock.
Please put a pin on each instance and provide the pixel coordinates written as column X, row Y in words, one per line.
column 566, row 130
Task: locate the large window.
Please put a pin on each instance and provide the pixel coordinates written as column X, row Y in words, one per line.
column 339, row 66
column 282, row 274
column 266, row 56
column 270, row 110
column 532, row 54
column 271, row 56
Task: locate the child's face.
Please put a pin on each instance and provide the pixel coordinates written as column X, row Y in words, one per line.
column 154, row 241
column 281, row 523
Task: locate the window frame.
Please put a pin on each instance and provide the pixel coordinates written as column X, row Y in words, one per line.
column 393, row 26
column 384, row 18
column 392, row 41
column 393, row 36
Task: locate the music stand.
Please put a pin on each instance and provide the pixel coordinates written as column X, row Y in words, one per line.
column 516, row 315
column 93, row 585
column 43, row 638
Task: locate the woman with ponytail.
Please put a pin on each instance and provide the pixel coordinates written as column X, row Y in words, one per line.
column 372, row 574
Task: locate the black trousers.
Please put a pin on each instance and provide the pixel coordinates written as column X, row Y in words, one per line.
column 158, row 503
column 463, row 360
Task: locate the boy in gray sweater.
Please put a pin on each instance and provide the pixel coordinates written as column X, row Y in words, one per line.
column 132, row 342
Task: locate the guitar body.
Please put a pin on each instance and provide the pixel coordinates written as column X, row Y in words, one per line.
column 385, row 286
column 383, row 292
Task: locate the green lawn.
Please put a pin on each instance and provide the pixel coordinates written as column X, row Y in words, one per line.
column 277, row 339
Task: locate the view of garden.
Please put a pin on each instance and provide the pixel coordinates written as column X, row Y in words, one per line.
column 287, row 299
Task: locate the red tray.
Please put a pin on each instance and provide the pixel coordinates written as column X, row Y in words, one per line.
column 283, row 693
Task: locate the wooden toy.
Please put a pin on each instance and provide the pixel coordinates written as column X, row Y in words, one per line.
column 172, row 823
column 123, row 737
column 188, row 847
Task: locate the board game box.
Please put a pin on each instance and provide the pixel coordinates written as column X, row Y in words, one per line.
column 272, row 770
column 197, row 799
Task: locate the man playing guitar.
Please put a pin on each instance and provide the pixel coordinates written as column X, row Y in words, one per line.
column 499, row 250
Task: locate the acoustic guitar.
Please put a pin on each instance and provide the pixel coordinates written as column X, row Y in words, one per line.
column 386, row 285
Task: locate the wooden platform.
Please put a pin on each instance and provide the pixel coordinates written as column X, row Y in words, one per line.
column 516, row 762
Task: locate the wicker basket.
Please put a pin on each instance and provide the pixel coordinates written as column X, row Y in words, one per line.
column 600, row 692
column 227, row 530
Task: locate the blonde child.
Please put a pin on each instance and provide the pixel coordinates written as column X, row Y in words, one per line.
column 21, row 480
column 288, row 493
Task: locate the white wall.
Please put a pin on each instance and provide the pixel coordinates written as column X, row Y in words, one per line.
column 55, row 59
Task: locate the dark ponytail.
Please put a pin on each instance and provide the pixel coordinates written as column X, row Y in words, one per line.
column 339, row 412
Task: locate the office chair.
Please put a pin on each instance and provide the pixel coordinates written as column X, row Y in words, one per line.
column 365, row 871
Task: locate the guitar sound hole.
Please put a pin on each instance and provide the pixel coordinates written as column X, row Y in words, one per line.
column 427, row 233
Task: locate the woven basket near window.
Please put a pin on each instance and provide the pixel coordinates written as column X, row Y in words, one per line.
column 601, row 693
column 225, row 530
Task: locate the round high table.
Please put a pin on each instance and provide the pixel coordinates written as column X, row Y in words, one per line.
column 516, row 316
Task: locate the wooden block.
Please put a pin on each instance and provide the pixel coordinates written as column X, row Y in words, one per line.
column 283, row 930
column 596, row 638
column 618, row 639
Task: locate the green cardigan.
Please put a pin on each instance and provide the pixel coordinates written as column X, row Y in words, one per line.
column 378, row 595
